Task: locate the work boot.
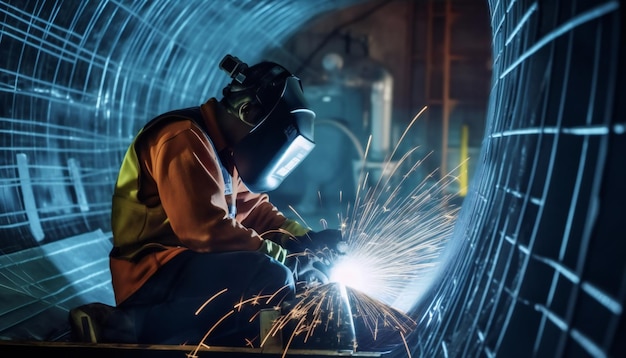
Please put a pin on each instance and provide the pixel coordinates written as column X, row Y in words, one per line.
column 101, row 323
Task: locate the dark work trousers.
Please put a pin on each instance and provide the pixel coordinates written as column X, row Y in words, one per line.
column 232, row 286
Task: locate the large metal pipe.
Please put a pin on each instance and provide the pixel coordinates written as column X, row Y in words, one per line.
column 381, row 100
column 376, row 83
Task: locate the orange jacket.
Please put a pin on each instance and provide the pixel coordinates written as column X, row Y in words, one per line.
column 170, row 196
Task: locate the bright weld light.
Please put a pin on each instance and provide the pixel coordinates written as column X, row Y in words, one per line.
column 350, row 272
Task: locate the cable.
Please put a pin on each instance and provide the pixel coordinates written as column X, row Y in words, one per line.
column 336, row 30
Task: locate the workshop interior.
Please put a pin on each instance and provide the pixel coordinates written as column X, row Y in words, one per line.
column 473, row 152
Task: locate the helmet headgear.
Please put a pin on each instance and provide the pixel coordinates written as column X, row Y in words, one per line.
column 281, row 133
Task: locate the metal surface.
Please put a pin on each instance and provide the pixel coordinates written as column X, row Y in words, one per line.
column 66, row 349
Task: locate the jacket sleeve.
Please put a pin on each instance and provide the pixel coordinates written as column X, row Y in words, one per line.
column 257, row 212
column 187, row 173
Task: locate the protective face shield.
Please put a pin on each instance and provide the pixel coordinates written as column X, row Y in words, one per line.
column 281, row 134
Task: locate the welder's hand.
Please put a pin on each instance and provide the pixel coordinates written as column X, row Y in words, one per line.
column 273, row 250
column 329, row 239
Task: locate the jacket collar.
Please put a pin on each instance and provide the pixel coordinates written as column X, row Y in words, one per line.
column 208, row 111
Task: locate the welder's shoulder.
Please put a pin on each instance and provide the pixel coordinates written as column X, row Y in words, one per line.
column 177, row 136
column 170, row 128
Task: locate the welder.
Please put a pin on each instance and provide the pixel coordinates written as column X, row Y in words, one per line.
column 194, row 230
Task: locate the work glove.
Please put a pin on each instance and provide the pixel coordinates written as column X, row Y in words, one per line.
column 316, row 241
column 310, row 253
column 273, row 250
column 308, row 269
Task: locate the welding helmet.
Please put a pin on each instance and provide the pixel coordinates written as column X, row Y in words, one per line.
column 281, row 131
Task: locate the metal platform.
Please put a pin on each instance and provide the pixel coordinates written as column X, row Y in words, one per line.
column 68, row 350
